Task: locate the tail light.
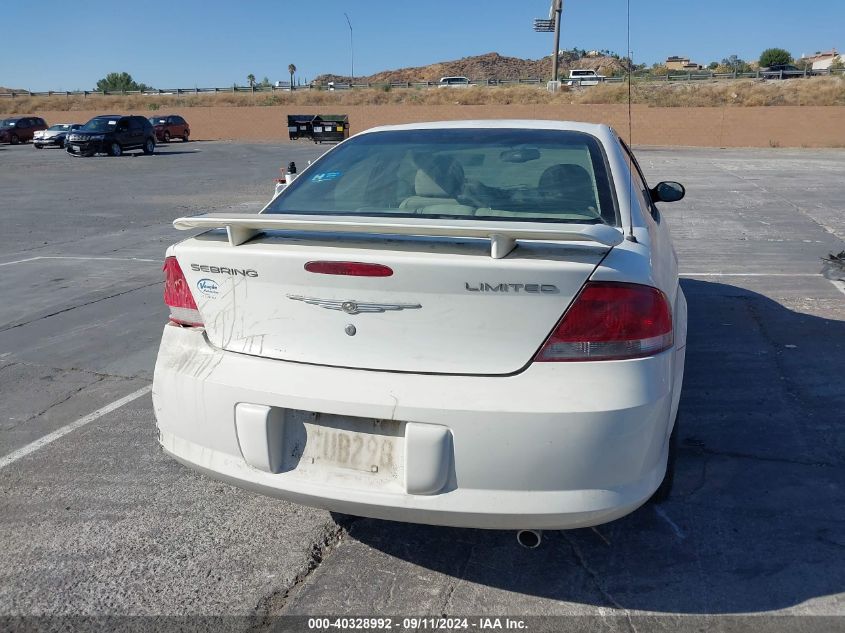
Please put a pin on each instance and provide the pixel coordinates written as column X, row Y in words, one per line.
column 177, row 295
column 611, row 321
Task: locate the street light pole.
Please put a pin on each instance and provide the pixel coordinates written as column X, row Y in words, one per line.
column 543, row 25
column 351, row 50
column 557, row 8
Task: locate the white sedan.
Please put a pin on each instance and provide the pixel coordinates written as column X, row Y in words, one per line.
column 469, row 323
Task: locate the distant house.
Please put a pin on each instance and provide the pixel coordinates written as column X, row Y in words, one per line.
column 681, row 63
column 822, row 60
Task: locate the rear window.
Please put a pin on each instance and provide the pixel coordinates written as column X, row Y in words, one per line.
column 501, row 174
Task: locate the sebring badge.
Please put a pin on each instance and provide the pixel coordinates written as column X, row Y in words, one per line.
column 355, row 307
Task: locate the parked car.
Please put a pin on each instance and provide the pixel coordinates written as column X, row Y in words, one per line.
column 781, row 71
column 582, row 77
column 170, row 127
column 54, row 135
column 112, row 134
column 20, row 129
column 469, row 323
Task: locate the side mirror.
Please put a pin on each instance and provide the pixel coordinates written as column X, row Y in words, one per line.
column 668, row 192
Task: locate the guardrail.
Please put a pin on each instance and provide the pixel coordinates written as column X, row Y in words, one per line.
column 689, row 76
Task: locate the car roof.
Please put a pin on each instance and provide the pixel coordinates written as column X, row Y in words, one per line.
column 596, row 129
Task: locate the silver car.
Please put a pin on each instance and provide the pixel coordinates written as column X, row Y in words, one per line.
column 54, row 135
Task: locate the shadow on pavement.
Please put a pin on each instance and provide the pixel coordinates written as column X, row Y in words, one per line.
column 755, row 521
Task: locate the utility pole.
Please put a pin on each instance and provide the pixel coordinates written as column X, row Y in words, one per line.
column 351, row 50
column 552, row 24
column 557, row 8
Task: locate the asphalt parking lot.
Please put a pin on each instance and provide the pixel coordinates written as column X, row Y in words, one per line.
column 99, row 522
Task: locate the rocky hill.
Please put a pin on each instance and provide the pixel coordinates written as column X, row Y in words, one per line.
column 487, row 66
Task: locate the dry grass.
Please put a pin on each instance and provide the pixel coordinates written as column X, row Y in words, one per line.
column 821, row 91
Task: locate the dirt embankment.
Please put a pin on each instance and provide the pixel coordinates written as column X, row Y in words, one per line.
column 785, row 126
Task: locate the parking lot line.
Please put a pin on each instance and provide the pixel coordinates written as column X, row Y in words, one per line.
column 111, row 259
column 750, row 274
column 51, row 437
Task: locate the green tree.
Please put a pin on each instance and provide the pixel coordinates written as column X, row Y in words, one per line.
column 250, row 79
column 838, row 64
column 291, row 70
column 265, row 83
column 734, row 63
column 713, row 65
column 772, row 56
column 120, row 82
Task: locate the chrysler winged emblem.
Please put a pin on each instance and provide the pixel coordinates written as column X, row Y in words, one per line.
column 355, row 307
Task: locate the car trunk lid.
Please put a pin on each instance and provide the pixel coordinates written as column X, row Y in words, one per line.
column 447, row 306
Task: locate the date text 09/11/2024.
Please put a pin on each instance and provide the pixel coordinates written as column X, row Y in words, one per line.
column 417, row 623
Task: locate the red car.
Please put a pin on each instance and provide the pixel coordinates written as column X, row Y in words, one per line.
column 169, row 127
column 20, row 129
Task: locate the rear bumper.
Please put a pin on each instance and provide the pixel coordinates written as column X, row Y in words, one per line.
column 560, row 445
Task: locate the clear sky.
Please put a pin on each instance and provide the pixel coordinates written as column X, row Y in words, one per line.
column 64, row 45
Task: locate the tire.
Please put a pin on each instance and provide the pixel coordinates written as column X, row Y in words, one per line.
column 62, row 144
column 665, row 488
column 185, row 137
column 166, row 137
column 37, row 146
column 13, row 139
column 149, row 146
column 115, row 149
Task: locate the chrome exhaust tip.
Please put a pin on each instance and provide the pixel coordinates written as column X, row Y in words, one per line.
column 529, row 539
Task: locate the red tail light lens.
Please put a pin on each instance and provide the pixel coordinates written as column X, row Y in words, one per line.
column 177, row 295
column 611, row 321
column 352, row 269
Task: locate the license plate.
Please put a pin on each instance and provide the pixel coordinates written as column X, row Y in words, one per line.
column 367, row 452
column 322, row 444
column 75, row 148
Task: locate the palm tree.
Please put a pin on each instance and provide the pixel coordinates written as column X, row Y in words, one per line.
column 291, row 70
column 251, row 79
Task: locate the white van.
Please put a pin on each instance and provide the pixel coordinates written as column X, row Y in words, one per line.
column 584, row 78
column 454, row 82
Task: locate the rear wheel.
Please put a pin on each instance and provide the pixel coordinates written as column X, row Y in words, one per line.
column 185, row 137
column 13, row 139
column 166, row 137
column 149, row 146
column 37, row 146
column 115, row 149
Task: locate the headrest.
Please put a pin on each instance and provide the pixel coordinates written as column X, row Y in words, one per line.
column 426, row 187
column 439, row 176
column 565, row 179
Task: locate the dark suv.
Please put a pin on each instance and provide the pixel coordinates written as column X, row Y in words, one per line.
column 170, row 126
column 112, row 134
column 781, row 71
column 20, row 129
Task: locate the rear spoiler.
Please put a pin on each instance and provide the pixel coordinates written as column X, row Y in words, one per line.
column 242, row 227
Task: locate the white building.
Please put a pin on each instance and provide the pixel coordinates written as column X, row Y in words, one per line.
column 822, row 60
